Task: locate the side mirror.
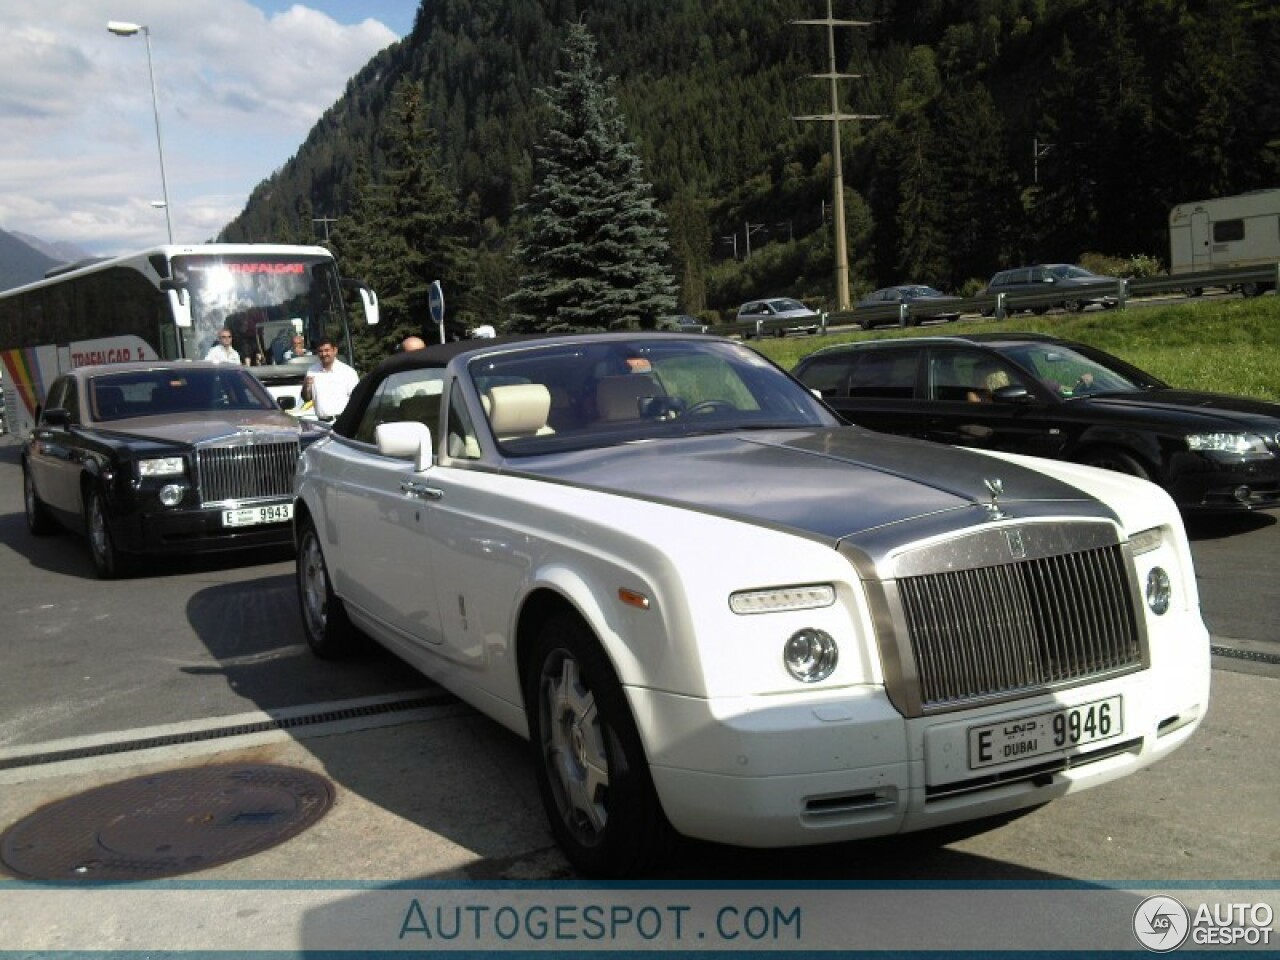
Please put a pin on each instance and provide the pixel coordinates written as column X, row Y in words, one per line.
column 57, row 417
column 1013, row 393
column 406, row 440
column 287, row 403
column 369, row 300
column 180, row 306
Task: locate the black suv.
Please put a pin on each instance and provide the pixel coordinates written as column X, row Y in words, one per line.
column 1039, row 395
column 1049, row 285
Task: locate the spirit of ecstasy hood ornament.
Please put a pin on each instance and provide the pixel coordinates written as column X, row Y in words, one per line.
column 996, row 486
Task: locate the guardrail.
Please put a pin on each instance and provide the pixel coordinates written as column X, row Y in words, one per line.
column 1003, row 304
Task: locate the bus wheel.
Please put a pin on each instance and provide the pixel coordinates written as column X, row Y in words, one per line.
column 39, row 520
column 107, row 560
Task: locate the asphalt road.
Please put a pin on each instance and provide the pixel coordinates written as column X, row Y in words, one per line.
column 426, row 789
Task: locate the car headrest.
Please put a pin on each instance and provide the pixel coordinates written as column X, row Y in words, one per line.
column 618, row 398
column 518, row 410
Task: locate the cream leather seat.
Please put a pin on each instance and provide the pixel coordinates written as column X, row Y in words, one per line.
column 618, row 398
column 518, row 410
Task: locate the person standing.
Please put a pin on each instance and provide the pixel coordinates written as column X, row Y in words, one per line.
column 329, row 381
column 223, row 351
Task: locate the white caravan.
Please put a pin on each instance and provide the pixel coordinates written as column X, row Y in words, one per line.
column 1239, row 231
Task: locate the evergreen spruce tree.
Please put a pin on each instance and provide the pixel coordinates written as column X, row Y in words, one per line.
column 407, row 230
column 595, row 252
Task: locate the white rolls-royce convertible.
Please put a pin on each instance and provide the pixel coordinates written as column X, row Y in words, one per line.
column 715, row 611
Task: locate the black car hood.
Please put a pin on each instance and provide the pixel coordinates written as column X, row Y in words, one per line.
column 1225, row 409
column 827, row 483
column 185, row 429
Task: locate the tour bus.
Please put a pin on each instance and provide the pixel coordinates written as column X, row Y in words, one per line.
column 1226, row 232
column 169, row 302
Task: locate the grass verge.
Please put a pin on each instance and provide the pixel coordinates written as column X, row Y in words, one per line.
column 1220, row 344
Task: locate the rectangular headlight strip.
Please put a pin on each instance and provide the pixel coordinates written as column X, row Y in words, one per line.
column 774, row 599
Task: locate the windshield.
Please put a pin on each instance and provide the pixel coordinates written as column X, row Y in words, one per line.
column 264, row 301
column 1072, row 373
column 152, row 393
column 583, row 395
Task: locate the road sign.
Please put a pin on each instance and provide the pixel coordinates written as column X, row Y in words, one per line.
column 435, row 303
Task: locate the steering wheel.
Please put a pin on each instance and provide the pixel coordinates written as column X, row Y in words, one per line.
column 708, row 406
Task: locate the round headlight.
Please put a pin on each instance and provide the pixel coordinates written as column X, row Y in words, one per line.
column 810, row 655
column 1158, row 590
column 171, row 494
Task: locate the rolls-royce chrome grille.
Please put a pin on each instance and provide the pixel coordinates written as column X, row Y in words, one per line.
column 1000, row 611
column 246, row 471
column 1034, row 623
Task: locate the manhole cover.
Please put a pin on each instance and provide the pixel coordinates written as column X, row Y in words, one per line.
column 165, row 824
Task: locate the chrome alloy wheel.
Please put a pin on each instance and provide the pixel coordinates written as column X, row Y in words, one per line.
column 313, row 583
column 573, row 745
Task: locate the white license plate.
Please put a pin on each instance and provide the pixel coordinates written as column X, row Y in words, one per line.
column 250, row 516
column 1041, row 733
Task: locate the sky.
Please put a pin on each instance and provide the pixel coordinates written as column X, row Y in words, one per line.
column 239, row 84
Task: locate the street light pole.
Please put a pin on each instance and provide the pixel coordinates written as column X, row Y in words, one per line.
column 122, row 29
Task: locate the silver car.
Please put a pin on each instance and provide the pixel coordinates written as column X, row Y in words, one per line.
column 779, row 316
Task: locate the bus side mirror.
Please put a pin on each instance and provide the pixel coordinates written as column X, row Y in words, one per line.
column 180, row 306
column 370, row 301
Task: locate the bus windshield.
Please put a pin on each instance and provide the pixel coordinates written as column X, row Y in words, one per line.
column 265, row 301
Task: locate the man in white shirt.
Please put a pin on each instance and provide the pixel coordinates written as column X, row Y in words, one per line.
column 223, row 351
column 329, row 382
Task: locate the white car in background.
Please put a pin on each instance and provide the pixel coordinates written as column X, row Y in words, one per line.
column 819, row 634
column 779, row 316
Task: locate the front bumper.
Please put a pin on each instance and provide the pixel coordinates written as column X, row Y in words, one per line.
column 763, row 773
column 1199, row 483
column 199, row 530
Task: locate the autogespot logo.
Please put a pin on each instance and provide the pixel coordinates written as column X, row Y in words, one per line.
column 1161, row 924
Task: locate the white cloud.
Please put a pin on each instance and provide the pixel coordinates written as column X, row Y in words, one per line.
column 238, row 89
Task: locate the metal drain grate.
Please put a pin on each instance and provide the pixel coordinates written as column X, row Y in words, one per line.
column 165, row 824
column 217, row 733
column 1257, row 656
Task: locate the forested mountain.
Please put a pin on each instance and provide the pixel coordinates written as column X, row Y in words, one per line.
column 1010, row 131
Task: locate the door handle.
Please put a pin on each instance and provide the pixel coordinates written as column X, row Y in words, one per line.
column 420, row 491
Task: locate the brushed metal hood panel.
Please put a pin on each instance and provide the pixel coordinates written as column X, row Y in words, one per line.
column 828, row 483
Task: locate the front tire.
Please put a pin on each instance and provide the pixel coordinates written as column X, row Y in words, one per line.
column 590, row 765
column 1113, row 458
column 329, row 632
column 108, row 562
column 39, row 521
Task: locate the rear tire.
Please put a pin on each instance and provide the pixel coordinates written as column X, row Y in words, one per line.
column 591, row 767
column 1113, row 458
column 40, row 522
column 329, row 632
